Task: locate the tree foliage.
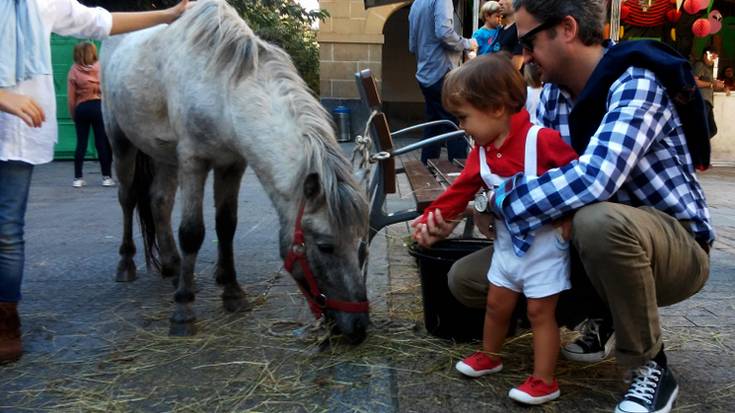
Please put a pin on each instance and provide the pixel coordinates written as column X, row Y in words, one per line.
column 287, row 24
column 283, row 22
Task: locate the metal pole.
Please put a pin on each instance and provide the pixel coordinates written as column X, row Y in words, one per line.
column 475, row 14
column 615, row 20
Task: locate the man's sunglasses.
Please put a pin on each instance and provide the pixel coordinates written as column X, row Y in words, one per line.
column 528, row 39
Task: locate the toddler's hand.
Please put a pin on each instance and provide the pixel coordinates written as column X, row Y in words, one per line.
column 23, row 107
column 565, row 227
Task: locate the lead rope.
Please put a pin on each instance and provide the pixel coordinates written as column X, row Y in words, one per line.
column 361, row 158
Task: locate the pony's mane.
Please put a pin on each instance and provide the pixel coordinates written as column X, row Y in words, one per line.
column 213, row 26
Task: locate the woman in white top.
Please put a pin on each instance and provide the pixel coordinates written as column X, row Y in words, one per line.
column 533, row 89
column 27, row 119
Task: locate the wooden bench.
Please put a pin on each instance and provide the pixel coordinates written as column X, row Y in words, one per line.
column 427, row 181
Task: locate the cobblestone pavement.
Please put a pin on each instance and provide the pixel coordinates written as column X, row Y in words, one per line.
column 96, row 345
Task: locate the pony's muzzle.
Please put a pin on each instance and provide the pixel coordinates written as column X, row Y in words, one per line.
column 352, row 326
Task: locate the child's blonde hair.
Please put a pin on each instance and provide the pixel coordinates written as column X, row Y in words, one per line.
column 85, row 53
column 489, row 8
column 488, row 82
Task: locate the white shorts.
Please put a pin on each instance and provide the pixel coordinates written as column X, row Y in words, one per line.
column 540, row 272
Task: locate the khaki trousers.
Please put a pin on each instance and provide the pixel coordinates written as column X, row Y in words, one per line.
column 637, row 259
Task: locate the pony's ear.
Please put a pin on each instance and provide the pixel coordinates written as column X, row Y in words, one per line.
column 312, row 186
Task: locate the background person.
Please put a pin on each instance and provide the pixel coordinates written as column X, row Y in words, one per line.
column 85, row 107
column 706, row 82
column 438, row 49
column 485, row 35
column 27, row 133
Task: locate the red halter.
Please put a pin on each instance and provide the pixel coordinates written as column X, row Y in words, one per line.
column 318, row 301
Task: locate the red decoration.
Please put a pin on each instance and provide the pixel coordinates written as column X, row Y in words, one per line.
column 701, row 27
column 673, row 15
column 693, row 6
column 624, row 11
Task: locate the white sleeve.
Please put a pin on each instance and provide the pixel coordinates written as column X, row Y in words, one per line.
column 74, row 19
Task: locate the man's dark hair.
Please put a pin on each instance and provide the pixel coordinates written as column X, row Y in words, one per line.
column 589, row 14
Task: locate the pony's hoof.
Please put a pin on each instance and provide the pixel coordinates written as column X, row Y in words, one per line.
column 125, row 275
column 185, row 329
column 236, row 304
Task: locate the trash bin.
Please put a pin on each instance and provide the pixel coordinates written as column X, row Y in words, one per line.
column 444, row 316
column 342, row 120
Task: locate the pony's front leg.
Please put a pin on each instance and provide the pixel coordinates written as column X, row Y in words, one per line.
column 226, row 189
column 163, row 193
column 192, row 175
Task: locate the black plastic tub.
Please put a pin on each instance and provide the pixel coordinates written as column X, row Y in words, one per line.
column 444, row 316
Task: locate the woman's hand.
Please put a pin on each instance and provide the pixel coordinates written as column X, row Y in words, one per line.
column 179, row 9
column 435, row 229
column 23, row 107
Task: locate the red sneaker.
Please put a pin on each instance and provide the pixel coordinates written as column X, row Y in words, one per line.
column 535, row 391
column 479, row 364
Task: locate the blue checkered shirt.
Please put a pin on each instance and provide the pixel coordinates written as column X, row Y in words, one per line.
column 638, row 156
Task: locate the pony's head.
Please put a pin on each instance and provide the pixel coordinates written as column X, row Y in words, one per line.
column 326, row 249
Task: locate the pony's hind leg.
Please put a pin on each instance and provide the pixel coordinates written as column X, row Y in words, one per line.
column 226, row 189
column 192, row 175
column 163, row 193
column 125, row 157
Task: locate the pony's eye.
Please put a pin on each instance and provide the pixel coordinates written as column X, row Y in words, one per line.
column 325, row 248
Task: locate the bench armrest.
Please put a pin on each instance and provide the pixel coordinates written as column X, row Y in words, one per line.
column 424, row 125
column 434, row 139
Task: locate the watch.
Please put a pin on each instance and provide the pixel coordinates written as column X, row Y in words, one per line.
column 481, row 200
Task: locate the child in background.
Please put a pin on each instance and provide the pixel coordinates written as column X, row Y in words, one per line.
column 27, row 119
column 533, row 89
column 85, row 108
column 506, row 144
column 485, row 35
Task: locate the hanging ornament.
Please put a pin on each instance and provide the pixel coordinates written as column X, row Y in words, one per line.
column 673, row 34
column 645, row 4
column 701, row 27
column 693, row 6
column 715, row 21
column 673, row 15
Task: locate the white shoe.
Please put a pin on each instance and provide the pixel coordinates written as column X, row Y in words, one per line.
column 107, row 181
column 78, row 183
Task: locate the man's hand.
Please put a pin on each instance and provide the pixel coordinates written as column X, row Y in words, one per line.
column 23, row 107
column 565, row 226
column 435, row 229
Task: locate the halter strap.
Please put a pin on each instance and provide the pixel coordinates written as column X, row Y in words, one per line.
column 317, row 300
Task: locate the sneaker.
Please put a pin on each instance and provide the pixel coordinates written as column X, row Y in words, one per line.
column 107, row 181
column 535, row 391
column 595, row 344
column 78, row 183
column 479, row 364
column 652, row 390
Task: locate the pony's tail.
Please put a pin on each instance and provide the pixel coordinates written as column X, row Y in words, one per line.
column 142, row 181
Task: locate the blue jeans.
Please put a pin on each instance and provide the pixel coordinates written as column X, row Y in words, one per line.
column 456, row 147
column 15, row 180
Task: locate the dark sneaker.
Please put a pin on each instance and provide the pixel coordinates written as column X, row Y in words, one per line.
column 652, row 390
column 535, row 391
column 595, row 344
column 479, row 364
